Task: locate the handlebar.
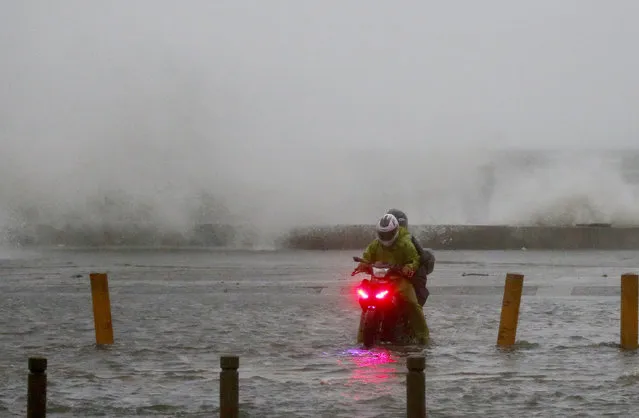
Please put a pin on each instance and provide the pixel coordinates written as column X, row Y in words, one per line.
column 394, row 268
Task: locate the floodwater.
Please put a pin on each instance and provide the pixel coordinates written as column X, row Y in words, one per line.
column 292, row 319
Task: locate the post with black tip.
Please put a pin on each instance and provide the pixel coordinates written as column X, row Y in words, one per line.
column 229, row 387
column 416, row 387
column 37, row 388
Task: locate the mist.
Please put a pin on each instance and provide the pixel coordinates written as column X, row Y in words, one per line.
column 282, row 113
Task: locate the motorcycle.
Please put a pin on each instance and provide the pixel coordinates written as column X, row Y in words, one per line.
column 384, row 317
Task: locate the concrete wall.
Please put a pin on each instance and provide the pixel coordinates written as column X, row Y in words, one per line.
column 136, row 235
column 491, row 237
column 340, row 237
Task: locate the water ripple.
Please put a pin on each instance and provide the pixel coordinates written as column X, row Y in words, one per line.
column 297, row 352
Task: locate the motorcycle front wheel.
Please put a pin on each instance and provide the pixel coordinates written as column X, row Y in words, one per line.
column 370, row 328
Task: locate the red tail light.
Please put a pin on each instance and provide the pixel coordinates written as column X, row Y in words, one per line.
column 382, row 294
column 362, row 294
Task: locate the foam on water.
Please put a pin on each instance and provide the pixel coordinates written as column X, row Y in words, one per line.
column 568, row 189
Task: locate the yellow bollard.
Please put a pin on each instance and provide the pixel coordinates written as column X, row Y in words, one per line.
column 229, row 387
column 101, row 308
column 629, row 311
column 416, row 387
column 510, row 309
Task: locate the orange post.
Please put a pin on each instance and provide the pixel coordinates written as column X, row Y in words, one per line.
column 101, row 308
column 510, row 309
column 629, row 311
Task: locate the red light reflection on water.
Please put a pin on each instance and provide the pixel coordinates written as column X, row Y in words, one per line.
column 371, row 366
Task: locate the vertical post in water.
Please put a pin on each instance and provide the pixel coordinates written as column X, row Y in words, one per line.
column 629, row 310
column 101, row 308
column 416, row 387
column 510, row 309
column 37, row 388
column 229, row 387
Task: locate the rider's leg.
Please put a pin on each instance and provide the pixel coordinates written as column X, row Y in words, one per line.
column 419, row 283
column 360, row 333
column 415, row 312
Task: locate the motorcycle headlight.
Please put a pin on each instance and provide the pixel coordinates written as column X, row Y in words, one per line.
column 379, row 272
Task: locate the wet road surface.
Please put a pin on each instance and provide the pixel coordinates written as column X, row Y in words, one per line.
column 292, row 319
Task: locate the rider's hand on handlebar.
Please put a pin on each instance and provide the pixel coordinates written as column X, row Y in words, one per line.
column 361, row 268
column 408, row 271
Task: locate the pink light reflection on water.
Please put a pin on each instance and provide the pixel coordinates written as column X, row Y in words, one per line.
column 375, row 368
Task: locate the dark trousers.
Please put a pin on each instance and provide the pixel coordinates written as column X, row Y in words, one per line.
column 419, row 283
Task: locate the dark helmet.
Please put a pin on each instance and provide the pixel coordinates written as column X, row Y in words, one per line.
column 401, row 217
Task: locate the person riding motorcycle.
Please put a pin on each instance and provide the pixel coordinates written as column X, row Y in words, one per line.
column 427, row 258
column 393, row 245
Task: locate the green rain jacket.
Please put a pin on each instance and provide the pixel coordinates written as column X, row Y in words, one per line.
column 402, row 252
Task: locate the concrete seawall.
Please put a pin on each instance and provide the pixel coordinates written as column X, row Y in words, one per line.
column 340, row 237
column 475, row 237
column 125, row 235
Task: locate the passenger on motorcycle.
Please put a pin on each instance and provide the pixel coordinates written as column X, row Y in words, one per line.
column 393, row 245
column 427, row 260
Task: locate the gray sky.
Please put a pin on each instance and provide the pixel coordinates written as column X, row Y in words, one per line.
column 299, row 111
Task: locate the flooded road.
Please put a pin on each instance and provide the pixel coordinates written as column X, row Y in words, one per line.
column 292, row 319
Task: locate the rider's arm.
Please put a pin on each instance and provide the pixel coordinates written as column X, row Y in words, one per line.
column 427, row 258
column 410, row 255
column 418, row 246
column 369, row 252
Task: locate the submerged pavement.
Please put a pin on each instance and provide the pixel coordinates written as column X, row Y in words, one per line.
column 292, row 318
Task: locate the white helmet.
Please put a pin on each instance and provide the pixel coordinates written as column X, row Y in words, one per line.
column 387, row 230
